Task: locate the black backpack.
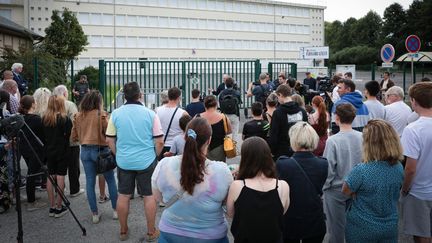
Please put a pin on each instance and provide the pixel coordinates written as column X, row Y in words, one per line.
column 229, row 104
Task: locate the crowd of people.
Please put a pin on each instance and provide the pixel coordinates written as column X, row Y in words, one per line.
column 306, row 170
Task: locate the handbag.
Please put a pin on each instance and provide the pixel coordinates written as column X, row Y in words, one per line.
column 106, row 160
column 229, row 144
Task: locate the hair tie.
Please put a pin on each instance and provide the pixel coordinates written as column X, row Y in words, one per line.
column 191, row 133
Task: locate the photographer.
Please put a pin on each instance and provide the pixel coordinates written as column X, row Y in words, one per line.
column 260, row 90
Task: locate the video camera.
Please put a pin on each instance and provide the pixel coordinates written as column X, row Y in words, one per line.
column 10, row 126
column 324, row 84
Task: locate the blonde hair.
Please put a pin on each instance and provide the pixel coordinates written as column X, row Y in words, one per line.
column 41, row 96
column 56, row 107
column 297, row 98
column 303, row 136
column 381, row 142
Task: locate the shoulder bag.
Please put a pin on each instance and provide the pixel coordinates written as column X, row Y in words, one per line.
column 106, row 160
column 229, row 144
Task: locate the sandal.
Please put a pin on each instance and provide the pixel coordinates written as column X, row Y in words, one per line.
column 124, row 235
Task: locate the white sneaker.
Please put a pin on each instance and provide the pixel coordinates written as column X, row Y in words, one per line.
column 81, row 191
column 115, row 215
column 96, row 218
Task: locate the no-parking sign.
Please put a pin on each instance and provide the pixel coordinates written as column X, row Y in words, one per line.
column 413, row 43
column 387, row 53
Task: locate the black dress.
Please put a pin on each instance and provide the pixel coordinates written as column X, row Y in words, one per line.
column 258, row 216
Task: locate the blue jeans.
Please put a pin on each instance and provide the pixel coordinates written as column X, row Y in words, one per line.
column 173, row 238
column 89, row 154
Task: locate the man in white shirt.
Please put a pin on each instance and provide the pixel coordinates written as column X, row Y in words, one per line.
column 376, row 108
column 417, row 186
column 396, row 112
column 170, row 115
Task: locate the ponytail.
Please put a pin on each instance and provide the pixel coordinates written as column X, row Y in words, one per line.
column 192, row 169
column 322, row 123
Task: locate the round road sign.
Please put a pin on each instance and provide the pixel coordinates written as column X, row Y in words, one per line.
column 387, row 53
column 412, row 43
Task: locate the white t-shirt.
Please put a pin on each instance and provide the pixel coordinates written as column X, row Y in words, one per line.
column 376, row 109
column 165, row 113
column 413, row 117
column 335, row 94
column 397, row 115
column 417, row 143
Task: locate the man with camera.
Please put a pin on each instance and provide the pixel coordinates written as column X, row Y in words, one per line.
column 260, row 89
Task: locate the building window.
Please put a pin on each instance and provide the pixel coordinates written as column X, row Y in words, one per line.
column 39, row 19
column 32, row 8
column 46, row 9
column 40, row 29
column 32, row 18
column 39, row 8
column 46, row 19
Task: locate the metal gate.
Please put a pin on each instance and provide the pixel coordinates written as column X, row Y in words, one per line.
column 155, row 76
column 275, row 67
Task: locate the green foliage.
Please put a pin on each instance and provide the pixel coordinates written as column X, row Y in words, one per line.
column 92, row 74
column 371, row 32
column 358, row 55
column 50, row 71
column 64, row 39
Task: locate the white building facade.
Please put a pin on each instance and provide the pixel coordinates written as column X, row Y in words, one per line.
column 187, row 29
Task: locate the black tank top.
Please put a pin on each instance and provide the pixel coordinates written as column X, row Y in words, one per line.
column 258, row 216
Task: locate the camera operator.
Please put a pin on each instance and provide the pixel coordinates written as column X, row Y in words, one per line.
column 260, row 89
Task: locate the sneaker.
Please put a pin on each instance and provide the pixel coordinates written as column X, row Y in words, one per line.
column 35, row 206
column 115, row 215
column 124, row 235
column 52, row 212
column 161, row 204
column 152, row 237
column 61, row 211
column 96, row 218
column 81, row 191
column 103, row 199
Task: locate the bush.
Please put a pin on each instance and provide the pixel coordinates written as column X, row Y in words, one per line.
column 359, row 55
column 92, row 74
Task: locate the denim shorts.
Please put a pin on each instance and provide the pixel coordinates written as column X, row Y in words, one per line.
column 127, row 178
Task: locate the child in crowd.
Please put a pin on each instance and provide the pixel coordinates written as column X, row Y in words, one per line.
column 179, row 141
column 257, row 127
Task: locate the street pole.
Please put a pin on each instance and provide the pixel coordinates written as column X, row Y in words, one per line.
column 412, row 69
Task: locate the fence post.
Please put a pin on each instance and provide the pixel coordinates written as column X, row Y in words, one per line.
column 71, row 75
column 270, row 69
column 294, row 70
column 35, row 73
column 102, row 82
column 373, row 65
column 404, row 76
column 184, row 77
column 257, row 69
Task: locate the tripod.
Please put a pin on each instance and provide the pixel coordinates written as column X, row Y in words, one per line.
column 17, row 180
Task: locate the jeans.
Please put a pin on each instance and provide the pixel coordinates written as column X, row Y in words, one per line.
column 89, row 154
column 171, row 238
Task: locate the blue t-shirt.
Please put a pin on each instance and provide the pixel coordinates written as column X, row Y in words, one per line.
column 134, row 127
column 195, row 108
column 199, row 215
column 377, row 187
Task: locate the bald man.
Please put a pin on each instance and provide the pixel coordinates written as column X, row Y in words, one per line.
column 6, row 75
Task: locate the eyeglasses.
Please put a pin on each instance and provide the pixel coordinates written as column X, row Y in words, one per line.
column 387, row 95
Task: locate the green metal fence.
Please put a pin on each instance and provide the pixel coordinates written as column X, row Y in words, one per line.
column 156, row 76
column 275, row 67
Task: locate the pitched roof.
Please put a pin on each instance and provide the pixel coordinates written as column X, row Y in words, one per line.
column 9, row 27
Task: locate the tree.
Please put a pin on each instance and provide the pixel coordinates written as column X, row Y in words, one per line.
column 368, row 30
column 395, row 27
column 419, row 19
column 331, row 32
column 64, row 39
column 92, row 74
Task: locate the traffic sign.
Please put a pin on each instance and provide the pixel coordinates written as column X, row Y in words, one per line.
column 412, row 43
column 387, row 53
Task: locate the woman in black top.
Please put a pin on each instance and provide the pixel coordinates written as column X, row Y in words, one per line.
column 257, row 200
column 34, row 122
column 216, row 120
column 57, row 131
column 306, row 175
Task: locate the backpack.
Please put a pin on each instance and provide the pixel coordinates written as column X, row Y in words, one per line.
column 266, row 92
column 229, row 104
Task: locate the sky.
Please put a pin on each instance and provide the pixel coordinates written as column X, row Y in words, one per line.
column 344, row 9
